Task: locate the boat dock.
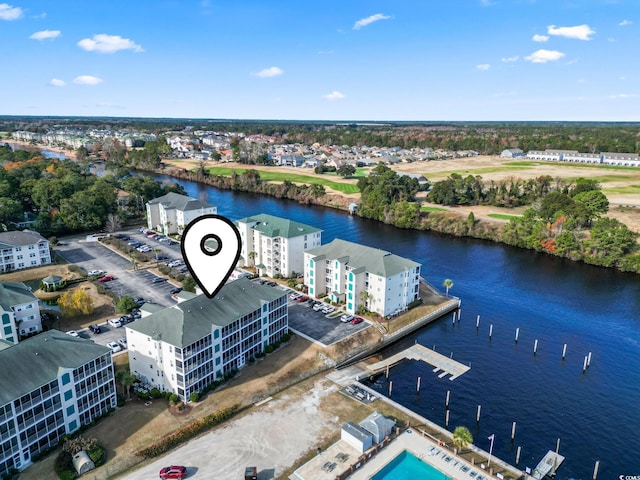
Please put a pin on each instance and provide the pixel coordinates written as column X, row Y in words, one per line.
column 443, row 366
column 547, row 466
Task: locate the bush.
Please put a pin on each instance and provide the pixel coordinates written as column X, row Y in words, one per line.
column 194, row 397
column 268, row 349
column 97, row 455
column 173, row 398
column 163, row 269
column 155, row 393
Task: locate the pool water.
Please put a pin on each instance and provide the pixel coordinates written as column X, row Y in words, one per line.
column 408, row 466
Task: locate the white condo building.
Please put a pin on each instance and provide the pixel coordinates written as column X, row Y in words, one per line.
column 23, row 249
column 19, row 311
column 184, row 348
column 275, row 245
column 50, row 385
column 172, row 212
column 357, row 275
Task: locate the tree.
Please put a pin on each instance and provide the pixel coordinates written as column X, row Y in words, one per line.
column 447, row 284
column 252, row 258
column 75, row 302
column 346, row 170
column 79, row 443
column 189, row 284
column 126, row 304
column 113, row 223
column 595, row 202
column 126, row 379
column 462, row 437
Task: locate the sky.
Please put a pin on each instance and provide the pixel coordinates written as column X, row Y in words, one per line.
column 379, row 60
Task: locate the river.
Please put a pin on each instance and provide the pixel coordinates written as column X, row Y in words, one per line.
column 595, row 414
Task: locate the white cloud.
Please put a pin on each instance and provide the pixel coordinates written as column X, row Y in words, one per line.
column 540, row 38
column 579, row 32
column 335, row 95
column 625, row 22
column 623, row 95
column 56, row 82
column 87, row 80
column 45, row 35
column 483, row 67
column 104, row 43
column 269, row 72
column 544, row 56
column 363, row 22
column 515, row 58
column 7, row 12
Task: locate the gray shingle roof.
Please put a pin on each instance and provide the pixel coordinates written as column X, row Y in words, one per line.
column 37, row 360
column 191, row 320
column 356, row 431
column 180, row 202
column 373, row 260
column 20, row 239
column 278, row 227
column 15, row 293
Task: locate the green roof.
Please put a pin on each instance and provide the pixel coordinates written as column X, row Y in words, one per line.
column 278, row 227
column 373, row 260
column 193, row 319
column 15, row 293
column 37, row 361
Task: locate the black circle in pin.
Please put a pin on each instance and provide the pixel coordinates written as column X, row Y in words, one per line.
column 206, row 250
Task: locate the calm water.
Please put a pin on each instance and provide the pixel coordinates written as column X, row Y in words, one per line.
column 596, row 415
column 407, row 466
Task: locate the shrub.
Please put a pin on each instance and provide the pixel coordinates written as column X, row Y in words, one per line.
column 155, row 393
column 286, row 337
column 97, row 455
column 173, row 398
column 164, row 269
column 194, row 397
column 268, row 349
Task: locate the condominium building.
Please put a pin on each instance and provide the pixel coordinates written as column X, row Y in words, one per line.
column 19, row 311
column 172, row 212
column 50, row 385
column 276, row 245
column 361, row 276
column 184, row 348
column 23, row 249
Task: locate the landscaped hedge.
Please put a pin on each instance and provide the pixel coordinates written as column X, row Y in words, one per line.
column 187, row 432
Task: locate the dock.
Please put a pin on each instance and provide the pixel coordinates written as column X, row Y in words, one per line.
column 443, row 365
column 547, row 466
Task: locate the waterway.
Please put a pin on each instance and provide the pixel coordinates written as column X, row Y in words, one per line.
column 595, row 414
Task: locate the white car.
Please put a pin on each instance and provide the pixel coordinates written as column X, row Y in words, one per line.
column 73, row 333
column 319, row 306
column 328, row 309
column 122, row 342
column 346, row 318
column 96, row 273
column 115, row 322
column 115, row 348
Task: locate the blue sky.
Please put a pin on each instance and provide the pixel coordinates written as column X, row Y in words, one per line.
column 323, row 60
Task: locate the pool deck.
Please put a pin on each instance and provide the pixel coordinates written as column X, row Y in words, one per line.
column 429, row 452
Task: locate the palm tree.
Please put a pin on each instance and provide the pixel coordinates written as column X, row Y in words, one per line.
column 447, row 284
column 462, row 437
column 126, row 380
column 252, row 257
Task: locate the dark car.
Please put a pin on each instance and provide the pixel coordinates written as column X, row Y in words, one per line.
column 95, row 329
column 174, row 471
column 135, row 314
column 173, row 291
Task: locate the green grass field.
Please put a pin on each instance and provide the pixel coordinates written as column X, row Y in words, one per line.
column 501, row 216
column 629, row 189
column 280, row 177
column 432, row 209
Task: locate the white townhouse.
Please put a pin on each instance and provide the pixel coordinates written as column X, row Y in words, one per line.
column 19, row 311
column 621, row 159
column 364, row 276
column 50, row 385
column 23, row 249
column 172, row 212
column 275, row 245
column 184, row 348
column 551, row 155
column 512, row 153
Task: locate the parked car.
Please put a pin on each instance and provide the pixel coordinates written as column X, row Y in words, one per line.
column 346, row 318
column 139, row 300
column 174, row 471
column 173, row 291
column 136, row 314
column 318, row 306
column 115, row 322
column 95, row 329
column 158, row 280
column 95, row 273
column 294, row 296
column 106, row 278
column 73, row 333
column 115, row 348
column 328, row 309
column 357, row 320
column 302, row 298
column 122, row 342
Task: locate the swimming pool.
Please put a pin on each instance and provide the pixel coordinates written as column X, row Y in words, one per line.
column 406, row 465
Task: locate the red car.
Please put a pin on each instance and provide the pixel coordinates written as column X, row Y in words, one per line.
column 356, row 320
column 174, row 471
column 106, row 278
column 302, row 299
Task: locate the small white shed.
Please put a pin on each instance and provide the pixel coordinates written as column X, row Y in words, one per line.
column 82, row 462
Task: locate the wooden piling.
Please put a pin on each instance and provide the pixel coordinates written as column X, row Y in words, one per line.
column 595, row 469
column 517, row 333
column 446, row 419
column 558, row 446
column 564, row 351
column 446, row 403
column 490, row 330
column 418, row 387
column 513, row 431
column 478, row 414
column 387, row 373
column 584, row 365
column 589, row 360
column 390, row 388
column 535, row 346
column 454, row 318
column 518, row 455
column 478, row 321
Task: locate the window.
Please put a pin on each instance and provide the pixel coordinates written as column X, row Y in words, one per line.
column 6, row 319
column 217, row 360
column 217, row 348
column 73, row 425
column 71, row 410
column 68, row 395
column 7, row 330
column 66, row 378
column 216, row 334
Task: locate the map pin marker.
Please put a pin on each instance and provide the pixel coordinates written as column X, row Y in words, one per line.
column 211, row 247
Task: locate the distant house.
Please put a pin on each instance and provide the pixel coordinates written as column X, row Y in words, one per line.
column 19, row 311
column 422, row 180
column 512, row 153
column 291, row 161
column 26, row 220
column 23, row 249
column 172, row 212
